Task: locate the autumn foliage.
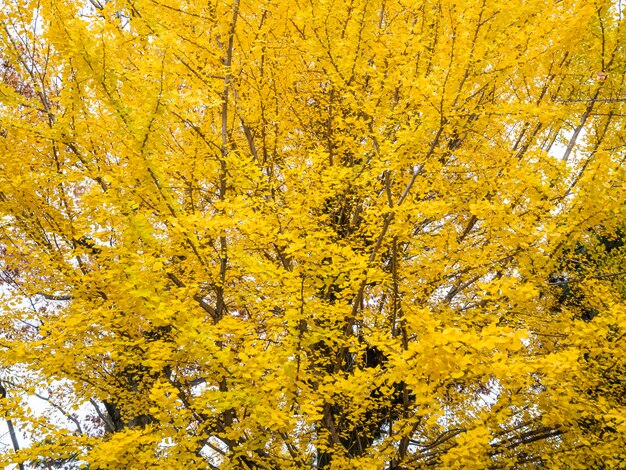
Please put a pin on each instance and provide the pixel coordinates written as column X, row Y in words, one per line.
column 348, row 234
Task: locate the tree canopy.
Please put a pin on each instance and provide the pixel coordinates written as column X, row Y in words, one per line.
column 374, row 234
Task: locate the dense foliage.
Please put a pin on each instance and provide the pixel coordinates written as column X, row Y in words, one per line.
column 373, row 234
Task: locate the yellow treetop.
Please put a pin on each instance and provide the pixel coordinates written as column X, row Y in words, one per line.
column 371, row 234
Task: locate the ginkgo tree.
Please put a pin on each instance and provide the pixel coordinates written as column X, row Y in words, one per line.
column 342, row 234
